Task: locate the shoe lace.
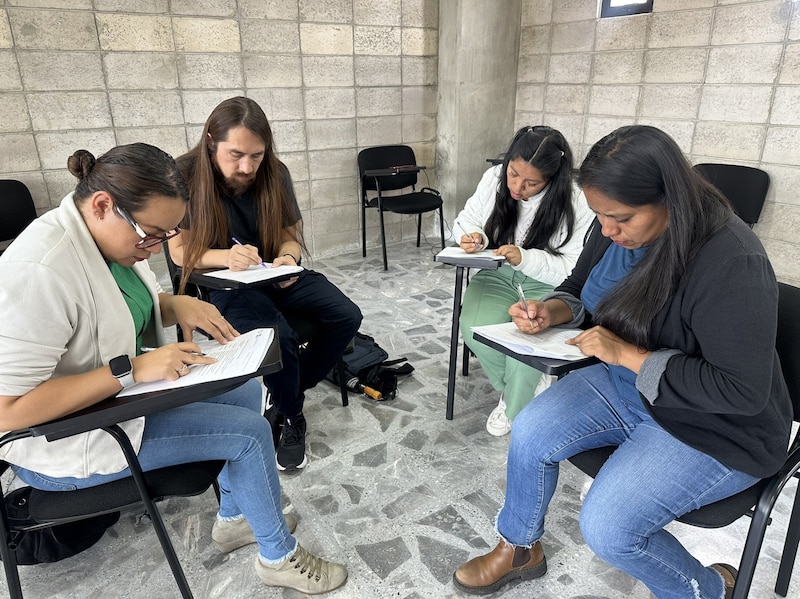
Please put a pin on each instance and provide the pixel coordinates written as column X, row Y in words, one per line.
column 294, row 430
column 306, row 562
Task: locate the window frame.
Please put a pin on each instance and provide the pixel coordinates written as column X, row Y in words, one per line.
column 606, row 10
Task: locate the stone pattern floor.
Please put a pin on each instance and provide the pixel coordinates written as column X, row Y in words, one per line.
column 392, row 489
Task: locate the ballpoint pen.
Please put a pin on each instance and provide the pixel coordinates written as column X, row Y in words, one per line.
column 524, row 303
column 460, row 226
column 146, row 350
column 237, row 242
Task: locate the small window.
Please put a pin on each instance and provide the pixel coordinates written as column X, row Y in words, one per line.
column 620, row 8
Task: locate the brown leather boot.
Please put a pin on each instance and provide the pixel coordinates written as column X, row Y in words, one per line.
column 488, row 573
column 729, row 574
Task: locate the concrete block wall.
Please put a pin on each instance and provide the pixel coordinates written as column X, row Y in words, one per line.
column 721, row 76
column 333, row 76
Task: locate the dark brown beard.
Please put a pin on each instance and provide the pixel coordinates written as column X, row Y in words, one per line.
column 236, row 187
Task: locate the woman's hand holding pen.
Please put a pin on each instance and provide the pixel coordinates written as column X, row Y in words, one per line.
column 168, row 362
column 534, row 319
column 471, row 243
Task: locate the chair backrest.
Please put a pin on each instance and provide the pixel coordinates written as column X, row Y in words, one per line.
column 788, row 341
column 744, row 186
column 380, row 157
column 17, row 209
column 173, row 269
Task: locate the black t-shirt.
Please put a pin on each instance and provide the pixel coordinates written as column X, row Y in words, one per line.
column 242, row 213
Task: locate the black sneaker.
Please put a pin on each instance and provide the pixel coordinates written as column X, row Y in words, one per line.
column 292, row 447
column 275, row 421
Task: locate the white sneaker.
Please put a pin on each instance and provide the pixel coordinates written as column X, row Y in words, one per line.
column 544, row 383
column 498, row 423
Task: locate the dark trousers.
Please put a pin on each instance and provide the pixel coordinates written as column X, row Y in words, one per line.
column 312, row 297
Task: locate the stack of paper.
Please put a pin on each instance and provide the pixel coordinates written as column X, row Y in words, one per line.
column 456, row 252
column 550, row 343
column 239, row 357
column 255, row 273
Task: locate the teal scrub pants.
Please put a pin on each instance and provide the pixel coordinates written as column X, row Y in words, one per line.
column 486, row 301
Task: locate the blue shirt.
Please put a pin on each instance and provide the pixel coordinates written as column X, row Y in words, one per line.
column 615, row 264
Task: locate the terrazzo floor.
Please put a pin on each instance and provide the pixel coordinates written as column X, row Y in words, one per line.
column 392, row 489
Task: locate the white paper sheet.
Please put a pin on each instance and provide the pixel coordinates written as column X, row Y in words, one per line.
column 239, row 357
column 255, row 273
column 547, row 344
column 456, row 252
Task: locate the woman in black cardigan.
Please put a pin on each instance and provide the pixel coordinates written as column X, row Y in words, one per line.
column 678, row 300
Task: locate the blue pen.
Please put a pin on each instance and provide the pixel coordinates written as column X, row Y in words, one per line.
column 237, row 242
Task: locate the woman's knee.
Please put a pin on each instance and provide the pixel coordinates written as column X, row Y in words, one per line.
column 603, row 530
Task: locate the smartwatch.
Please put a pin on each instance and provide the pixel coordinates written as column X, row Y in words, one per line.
column 122, row 368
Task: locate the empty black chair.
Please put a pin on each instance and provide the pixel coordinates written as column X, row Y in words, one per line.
column 16, row 209
column 394, row 168
column 745, row 187
column 764, row 494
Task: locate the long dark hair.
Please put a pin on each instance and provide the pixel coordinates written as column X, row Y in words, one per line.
column 546, row 149
column 131, row 174
column 206, row 213
column 639, row 165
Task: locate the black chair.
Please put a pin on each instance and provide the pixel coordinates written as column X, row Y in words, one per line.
column 17, row 209
column 304, row 329
column 764, row 494
column 52, row 508
column 394, row 168
column 745, row 187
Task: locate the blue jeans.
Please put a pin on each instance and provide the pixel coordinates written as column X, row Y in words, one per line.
column 335, row 320
column 649, row 481
column 228, row 427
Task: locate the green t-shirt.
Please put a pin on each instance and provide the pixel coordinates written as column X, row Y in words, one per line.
column 138, row 298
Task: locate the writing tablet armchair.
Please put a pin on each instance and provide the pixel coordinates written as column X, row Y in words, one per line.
column 759, row 500
column 17, row 210
column 384, row 169
column 50, row 508
column 198, row 285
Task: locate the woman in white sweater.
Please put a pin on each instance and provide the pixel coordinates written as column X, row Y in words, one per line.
column 528, row 210
column 78, row 301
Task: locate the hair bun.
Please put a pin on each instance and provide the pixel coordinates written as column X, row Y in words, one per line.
column 81, row 163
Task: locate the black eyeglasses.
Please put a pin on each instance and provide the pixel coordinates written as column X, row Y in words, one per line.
column 146, row 240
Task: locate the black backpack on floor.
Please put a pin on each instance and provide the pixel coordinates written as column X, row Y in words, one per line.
column 52, row 544
column 367, row 367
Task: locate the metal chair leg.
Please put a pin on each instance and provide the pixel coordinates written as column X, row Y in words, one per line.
column 343, row 382
column 150, row 506
column 441, row 225
column 789, row 549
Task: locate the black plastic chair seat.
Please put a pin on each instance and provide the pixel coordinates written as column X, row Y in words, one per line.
column 410, row 203
column 715, row 515
column 183, row 480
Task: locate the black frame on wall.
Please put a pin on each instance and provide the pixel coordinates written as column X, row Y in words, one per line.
column 631, row 8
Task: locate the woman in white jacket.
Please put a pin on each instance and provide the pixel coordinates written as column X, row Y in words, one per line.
column 77, row 302
column 529, row 210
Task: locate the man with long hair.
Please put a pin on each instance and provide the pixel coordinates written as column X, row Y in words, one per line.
column 243, row 211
